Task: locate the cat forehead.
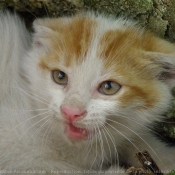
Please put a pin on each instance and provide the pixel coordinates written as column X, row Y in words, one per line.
column 118, row 44
column 83, row 37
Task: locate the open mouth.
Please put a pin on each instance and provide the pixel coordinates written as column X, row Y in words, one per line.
column 76, row 133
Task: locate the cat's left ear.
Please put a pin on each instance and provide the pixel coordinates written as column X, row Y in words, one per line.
column 163, row 67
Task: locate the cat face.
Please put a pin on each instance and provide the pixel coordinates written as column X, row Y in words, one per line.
column 98, row 77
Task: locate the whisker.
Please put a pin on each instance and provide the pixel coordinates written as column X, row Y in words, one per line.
column 20, row 124
column 136, row 135
column 39, row 129
column 123, row 136
column 101, row 146
column 113, row 142
column 143, row 126
column 46, row 135
column 31, row 118
column 95, row 149
column 88, row 151
column 110, row 152
column 24, row 110
column 41, row 126
column 30, row 95
column 126, row 139
column 33, row 125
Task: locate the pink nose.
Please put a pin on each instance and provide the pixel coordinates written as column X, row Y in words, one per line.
column 72, row 113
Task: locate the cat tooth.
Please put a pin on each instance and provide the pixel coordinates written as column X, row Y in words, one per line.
column 84, row 132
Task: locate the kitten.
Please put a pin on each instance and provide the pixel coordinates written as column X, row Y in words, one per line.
column 79, row 95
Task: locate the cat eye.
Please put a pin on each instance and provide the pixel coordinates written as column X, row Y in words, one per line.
column 109, row 88
column 60, row 77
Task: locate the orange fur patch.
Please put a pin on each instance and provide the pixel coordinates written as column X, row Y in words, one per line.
column 123, row 50
column 70, row 40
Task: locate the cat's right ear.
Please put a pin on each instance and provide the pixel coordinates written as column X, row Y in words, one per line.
column 42, row 34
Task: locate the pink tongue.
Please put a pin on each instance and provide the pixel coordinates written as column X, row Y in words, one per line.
column 76, row 133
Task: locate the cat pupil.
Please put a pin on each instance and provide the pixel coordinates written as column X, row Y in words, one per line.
column 108, row 85
column 61, row 75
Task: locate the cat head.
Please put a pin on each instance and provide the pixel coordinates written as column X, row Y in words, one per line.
column 98, row 76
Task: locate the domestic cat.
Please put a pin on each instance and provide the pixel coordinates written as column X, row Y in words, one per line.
column 78, row 95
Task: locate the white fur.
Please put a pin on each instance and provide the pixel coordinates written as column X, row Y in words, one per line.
column 31, row 129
